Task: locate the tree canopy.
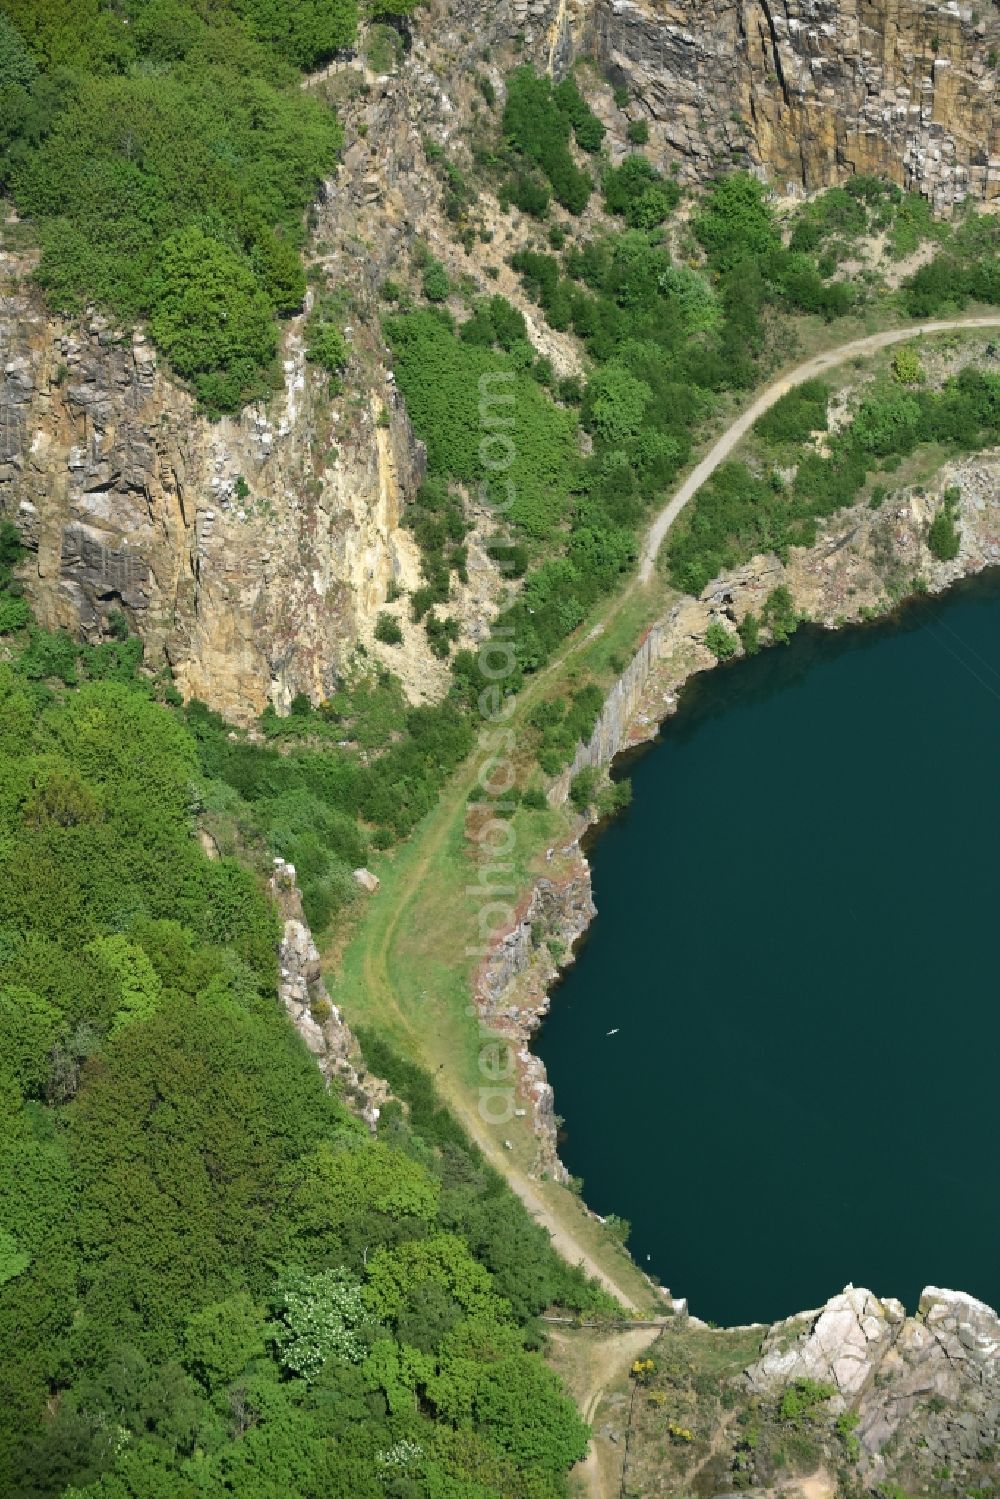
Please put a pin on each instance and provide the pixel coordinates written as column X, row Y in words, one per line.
column 167, row 156
column 213, row 1279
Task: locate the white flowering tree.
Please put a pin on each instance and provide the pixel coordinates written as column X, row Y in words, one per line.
column 319, row 1317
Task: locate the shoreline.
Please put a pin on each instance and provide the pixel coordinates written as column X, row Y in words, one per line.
column 846, row 579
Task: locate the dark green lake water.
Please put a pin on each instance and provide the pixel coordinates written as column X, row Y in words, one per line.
column 797, row 939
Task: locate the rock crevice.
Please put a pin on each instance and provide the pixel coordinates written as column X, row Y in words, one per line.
column 807, row 92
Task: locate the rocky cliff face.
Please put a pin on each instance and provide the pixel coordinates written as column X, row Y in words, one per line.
column 925, row 1389
column 303, row 992
column 250, row 554
column 513, row 983
column 808, row 91
column 253, row 554
column 852, row 1400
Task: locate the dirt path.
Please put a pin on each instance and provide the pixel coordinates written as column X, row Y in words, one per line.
column 588, row 1381
column 452, row 806
column 734, row 434
column 378, row 979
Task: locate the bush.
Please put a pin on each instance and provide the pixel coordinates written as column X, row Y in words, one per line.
column 537, row 125
column 436, row 285
column 906, row 366
column 800, row 412
column 779, row 615
column 387, row 630
column 749, row 633
column 638, row 132
column 441, row 635
column 736, row 222
column 14, row 614
column 529, row 194
column 802, row 1400
column 587, row 128
column 637, row 192
column 720, row 641
column 614, row 404
column 583, row 788
column 944, row 538
column 211, row 319
column 613, row 798
column 325, row 342
column 886, row 422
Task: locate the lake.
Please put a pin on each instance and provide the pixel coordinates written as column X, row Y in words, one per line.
column 795, row 937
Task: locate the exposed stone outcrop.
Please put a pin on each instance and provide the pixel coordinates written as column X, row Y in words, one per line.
column 807, row 91
column 304, row 994
column 925, row 1387
column 512, row 984
column 250, row 554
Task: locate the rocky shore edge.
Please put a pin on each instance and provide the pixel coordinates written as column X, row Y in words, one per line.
column 865, row 564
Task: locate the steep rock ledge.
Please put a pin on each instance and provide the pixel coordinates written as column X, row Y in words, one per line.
column 303, row 992
column 512, row 984
column 247, row 553
column 806, row 91
column 927, row 1385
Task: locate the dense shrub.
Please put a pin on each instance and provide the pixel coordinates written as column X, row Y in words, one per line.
column 137, row 174
column 325, row 341
column 524, row 459
column 537, row 121
column 800, row 411
column 529, row 193
column 780, row 615
column 637, row 192
column 434, row 281
column 587, row 128
column 210, row 318
column 387, row 630
column 735, row 222
column 720, row 641
column 943, row 536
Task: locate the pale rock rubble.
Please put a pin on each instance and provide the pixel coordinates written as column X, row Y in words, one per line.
column 930, row 1381
column 304, row 994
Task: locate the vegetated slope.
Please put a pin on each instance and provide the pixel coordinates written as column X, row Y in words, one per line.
column 739, row 513
column 166, row 155
column 212, row 1279
column 674, row 320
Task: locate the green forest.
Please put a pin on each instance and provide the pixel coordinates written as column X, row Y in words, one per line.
column 166, row 156
column 213, row 1280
